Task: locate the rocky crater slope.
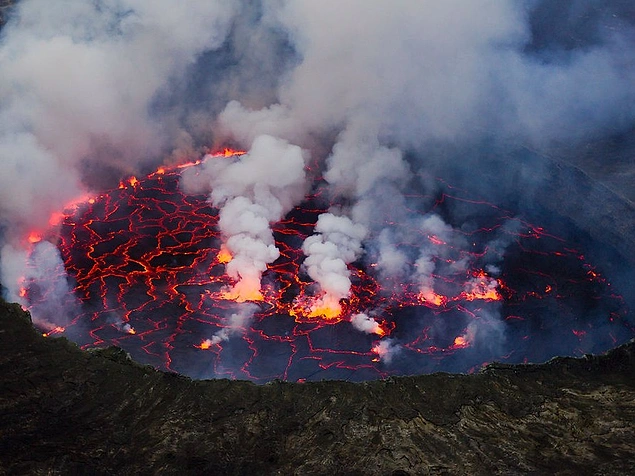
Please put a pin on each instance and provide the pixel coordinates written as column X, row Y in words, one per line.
column 67, row 411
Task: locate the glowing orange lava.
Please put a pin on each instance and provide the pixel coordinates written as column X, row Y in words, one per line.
column 224, row 256
column 461, row 341
column 484, row 293
column 326, row 307
column 205, row 345
column 55, row 330
column 243, row 291
column 227, row 152
column 482, row 287
column 151, row 256
column 430, row 297
column 34, row 237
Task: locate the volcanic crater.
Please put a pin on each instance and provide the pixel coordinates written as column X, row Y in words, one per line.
column 146, row 267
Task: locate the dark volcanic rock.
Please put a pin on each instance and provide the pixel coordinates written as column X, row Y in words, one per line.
column 4, row 4
column 66, row 411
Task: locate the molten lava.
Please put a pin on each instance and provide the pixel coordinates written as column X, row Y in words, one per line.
column 147, row 268
column 326, row 307
column 224, row 256
column 243, row 291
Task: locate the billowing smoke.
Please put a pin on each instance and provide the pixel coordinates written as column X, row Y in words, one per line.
column 78, row 91
column 42, row 270
column 253, row 191
column 77, row 94
column 338, row 242
column 92, row 92
column 366, row 324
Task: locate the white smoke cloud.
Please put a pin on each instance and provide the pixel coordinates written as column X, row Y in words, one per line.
column 364, row 323
column 39, row 271
column 391, row 262
column 78, row 77
column 252, row 192
column 14, row 271
column 432, row 227
column 386, row 350
column 244, row 125
column 449, row 70
column 487, row 330
column 79, row 80
column 337, row 242
column 377, row 86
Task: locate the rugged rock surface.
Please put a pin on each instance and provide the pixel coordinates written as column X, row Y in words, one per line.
column 66, row 411
column 4, row 4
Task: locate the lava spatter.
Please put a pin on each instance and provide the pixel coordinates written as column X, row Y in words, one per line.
column 147, row 265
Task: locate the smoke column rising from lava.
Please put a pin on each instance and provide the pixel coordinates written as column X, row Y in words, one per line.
column 236, row 323
column 252, row 191
column 337, row 243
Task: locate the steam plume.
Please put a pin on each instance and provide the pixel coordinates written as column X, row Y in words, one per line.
column 365, row 323
column 252, row 192
column 236, row 323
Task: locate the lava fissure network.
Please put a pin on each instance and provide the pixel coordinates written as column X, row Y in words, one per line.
column 148, row 272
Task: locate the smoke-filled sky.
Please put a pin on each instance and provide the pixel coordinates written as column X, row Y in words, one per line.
column 94, row 91
column 92, row 88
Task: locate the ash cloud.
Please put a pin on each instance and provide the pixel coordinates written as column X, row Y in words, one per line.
column 109, row 88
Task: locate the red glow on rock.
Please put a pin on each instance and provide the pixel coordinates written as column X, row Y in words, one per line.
column 56, row 218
